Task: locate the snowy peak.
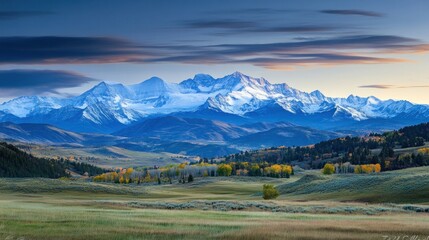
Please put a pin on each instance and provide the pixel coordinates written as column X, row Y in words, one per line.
column 250, row 81
column 29, row 105
column 105, row 89
column 114, row 104
column 203, row 80
column 153, row 87
column 203, row 83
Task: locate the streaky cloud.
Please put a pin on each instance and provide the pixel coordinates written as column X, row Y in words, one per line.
column 28, row 81
column 239, row 26
column 221, row 23
column 352, row 12
column 387, row 86
column 361, row 49
column 297, row 29
column 58, row 49
column 379, row 86
column 352, row 49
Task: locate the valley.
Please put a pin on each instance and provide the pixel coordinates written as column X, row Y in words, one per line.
column 227, row 119
column 310, row 204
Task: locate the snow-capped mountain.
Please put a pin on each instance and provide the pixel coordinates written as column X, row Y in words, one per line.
column 108, row 107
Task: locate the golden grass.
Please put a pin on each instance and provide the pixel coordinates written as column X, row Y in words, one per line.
column 41, row 220
column 54, row 209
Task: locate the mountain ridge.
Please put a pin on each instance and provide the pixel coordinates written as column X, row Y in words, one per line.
column 234, row 98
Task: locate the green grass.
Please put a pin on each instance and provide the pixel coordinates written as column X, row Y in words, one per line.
column 403, row 186
column 312, row 206
column 44, row 221
column 103, row 156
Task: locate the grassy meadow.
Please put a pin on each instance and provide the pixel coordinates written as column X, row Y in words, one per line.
column 107, row 157
column 311, row 206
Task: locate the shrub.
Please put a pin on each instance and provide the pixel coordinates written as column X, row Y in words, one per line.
column 329, row 168
column 190, row 178
column 269, row 192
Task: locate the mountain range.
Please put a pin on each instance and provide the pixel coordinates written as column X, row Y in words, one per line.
column 235, row 98
column 235, row 109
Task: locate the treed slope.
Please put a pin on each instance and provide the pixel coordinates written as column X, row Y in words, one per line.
column 357, row 150
column 16, row 163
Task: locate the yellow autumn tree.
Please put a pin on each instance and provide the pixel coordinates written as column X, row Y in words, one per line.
column 287, row 169
column 129, row 171
column 182, row 165
column 367, row 168
column 377, row 168
column 127, row 174
column 147, row 178
column 276, row 169
column 328, row 169
column 423, row 151
column 100, row 178
column 358, row 169
column 121, row 179
column 113, row 176
column 224, row 170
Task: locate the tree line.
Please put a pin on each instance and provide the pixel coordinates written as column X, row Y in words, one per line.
column 17, row 163
column 355, row 150
column 186, row 172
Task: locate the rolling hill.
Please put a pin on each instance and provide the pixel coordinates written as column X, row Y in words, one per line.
column 48, row 134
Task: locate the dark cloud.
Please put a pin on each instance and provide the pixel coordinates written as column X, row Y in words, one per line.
column 379, row 42
column 238, row 26
column 296, row 29
column 387, row 86
column 254, row 11
column 222, row 24
column 359, row 49
column 9, row 15
column 53, row 50
column 287, row 55
column 352, row 12
column 33, row 82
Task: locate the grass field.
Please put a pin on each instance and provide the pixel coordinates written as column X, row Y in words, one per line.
column 219, row 208
column 108, row 157
column 404, row 186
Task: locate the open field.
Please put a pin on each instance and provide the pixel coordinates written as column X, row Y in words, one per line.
column 46, row 221
column 219, row 208
column 107, row 157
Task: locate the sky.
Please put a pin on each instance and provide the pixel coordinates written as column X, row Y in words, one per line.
column 62, row 48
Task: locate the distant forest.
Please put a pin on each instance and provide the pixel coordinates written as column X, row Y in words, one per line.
column 356, row 150
column 371, row 149
column 17, row 163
